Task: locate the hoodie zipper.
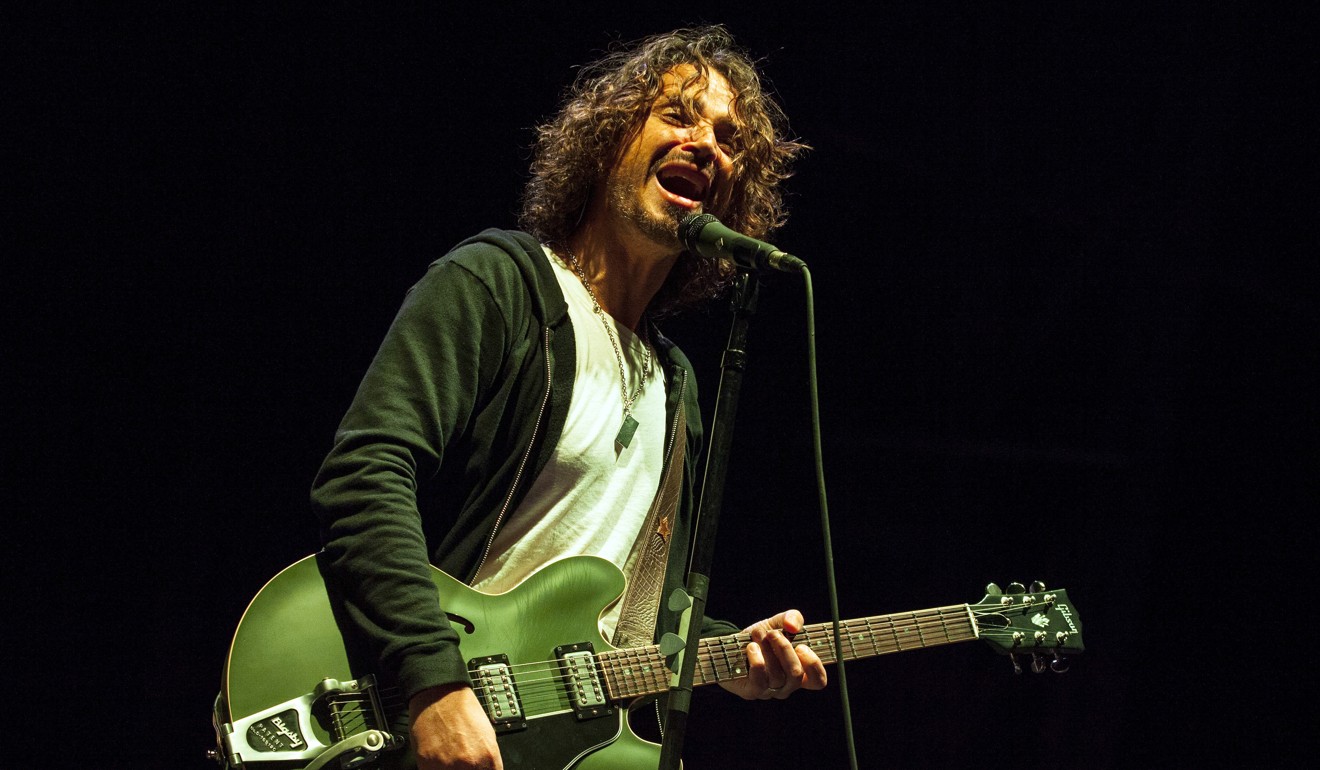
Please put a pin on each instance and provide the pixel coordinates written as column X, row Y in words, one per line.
column 673, row 428
column 522, row 465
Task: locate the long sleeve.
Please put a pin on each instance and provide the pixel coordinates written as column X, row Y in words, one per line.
column 444, row 348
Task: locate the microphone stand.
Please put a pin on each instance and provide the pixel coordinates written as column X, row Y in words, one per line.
column 683, row 666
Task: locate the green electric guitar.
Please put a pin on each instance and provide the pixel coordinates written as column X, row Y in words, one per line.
column 555, row 691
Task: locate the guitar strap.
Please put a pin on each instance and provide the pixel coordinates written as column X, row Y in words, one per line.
column 650, row 552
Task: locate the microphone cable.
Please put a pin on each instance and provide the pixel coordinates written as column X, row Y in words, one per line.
column 831, row 586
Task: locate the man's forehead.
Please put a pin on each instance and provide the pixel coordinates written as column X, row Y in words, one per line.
column 685, row 81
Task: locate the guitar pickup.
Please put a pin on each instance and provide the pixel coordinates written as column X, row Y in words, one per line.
column 493, row 682
column 582, row 681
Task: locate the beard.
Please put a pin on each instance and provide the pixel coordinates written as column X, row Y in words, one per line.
column 660, row 228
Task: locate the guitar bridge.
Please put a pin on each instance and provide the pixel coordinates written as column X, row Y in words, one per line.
column 582, row 681
column 349, row 714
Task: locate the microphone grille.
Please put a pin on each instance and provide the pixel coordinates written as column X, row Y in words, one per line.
column 690, row 228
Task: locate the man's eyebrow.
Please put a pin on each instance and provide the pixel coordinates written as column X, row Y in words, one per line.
column 696, row 103
column 671, row 99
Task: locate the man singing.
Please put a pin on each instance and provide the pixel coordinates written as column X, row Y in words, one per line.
column 524, row 407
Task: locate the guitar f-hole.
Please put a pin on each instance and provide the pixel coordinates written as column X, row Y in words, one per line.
column 468, row 626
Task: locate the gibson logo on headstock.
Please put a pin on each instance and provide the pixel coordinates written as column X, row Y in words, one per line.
column 1067, row 617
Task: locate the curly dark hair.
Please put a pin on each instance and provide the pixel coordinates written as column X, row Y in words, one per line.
column 607, row 104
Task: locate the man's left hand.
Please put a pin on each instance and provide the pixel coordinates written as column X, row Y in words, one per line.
column 776, row 668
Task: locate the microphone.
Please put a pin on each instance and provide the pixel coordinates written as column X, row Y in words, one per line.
column 707, row 236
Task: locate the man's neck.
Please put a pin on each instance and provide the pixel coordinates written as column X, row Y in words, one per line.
column 624, row 274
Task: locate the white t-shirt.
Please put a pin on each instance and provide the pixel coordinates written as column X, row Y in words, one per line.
column 593, row 495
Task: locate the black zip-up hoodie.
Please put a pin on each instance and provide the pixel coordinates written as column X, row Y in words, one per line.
column 457, row 414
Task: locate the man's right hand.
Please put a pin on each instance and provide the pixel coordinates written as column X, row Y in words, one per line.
column 450, row 730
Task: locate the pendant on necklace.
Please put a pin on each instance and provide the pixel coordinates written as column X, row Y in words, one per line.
column 626, row 431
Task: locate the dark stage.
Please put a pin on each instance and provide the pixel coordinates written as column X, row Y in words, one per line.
column 1066, row 332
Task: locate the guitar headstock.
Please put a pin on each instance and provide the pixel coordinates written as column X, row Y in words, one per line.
column 1039, row 622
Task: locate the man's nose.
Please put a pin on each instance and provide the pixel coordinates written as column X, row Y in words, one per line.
column 701, row 140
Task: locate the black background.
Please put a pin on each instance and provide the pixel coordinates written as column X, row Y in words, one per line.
column 1066, row 330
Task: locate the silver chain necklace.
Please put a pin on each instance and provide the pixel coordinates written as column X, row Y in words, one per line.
column 629, row 427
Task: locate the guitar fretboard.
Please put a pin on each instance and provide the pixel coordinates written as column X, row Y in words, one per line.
column 637, row 671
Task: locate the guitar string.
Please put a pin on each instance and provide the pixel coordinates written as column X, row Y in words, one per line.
column 349, row 712
column 616, row 687
column 873, row 642
column 620, row 670
column 920, row 625
column 723, row 658
column 622, row 685
column 928, row 625
column 919, row 621
column 932, row 623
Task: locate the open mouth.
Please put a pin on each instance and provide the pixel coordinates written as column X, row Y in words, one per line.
column 683, row 181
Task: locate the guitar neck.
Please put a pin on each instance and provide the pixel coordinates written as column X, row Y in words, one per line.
column 637, row 671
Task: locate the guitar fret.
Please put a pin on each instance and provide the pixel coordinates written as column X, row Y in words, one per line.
column 610, row 673
column 638, row 669
column 647, row 673
column 643, row 669
column 897, row 632
column 714, row 661
column 659, row 674
column 646, row 668
column 891, row 630
column 651, row 671
column 872, row 641
column 730, row 672
column 706, row 658
column 944, row 628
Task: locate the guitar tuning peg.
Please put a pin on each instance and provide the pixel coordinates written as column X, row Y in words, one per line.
column 1037, row 586
column 993, row 589
column 1060, row 664
column 1038, row 664
column 1017, row 667
column 1016, row 588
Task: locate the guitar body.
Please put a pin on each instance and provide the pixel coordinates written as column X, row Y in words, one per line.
column 288, row 642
